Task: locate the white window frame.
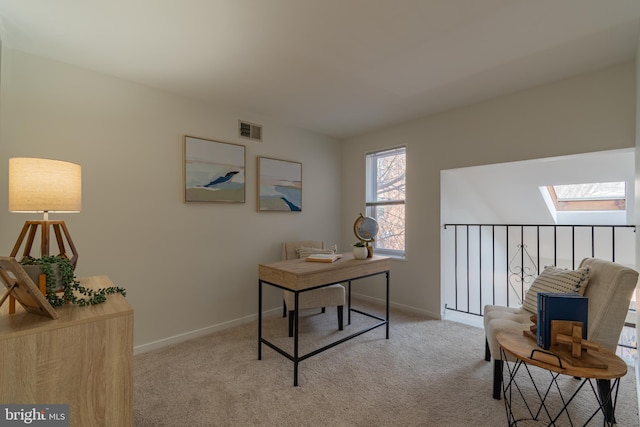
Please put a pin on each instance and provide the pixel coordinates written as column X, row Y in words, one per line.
column 371, row 184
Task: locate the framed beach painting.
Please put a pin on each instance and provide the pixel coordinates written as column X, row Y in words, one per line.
column 279, row 185
column 213, row 171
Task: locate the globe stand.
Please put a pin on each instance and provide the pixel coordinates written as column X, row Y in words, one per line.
column 365, row 228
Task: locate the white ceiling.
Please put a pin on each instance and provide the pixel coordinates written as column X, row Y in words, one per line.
column 337, row 67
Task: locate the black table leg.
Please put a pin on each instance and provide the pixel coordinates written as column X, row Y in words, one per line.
column 349, row 302
column 295, row 339
column 604, row 391
column 387, row 317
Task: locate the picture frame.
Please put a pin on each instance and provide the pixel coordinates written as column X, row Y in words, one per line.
column 279, row 185
column 214, row 171
column 20, row 286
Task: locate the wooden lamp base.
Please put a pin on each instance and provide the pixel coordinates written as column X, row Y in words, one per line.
column 60, row 231
column 63, row 238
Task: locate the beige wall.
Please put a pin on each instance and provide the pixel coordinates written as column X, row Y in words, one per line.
column 192, row 268
column 186, row 267
column 591, row 112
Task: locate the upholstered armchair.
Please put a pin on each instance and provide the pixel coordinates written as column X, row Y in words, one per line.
column 328, row 296
column 609, row 287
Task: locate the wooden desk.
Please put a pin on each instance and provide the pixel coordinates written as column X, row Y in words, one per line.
column 300, row 276
column 83, row 359
column 527, row 352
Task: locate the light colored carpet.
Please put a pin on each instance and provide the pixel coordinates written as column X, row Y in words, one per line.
column 429, row 373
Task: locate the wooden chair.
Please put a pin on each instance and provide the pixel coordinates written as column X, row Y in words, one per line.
column 328, row 296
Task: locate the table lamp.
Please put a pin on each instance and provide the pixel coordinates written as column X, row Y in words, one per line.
column 44, row 185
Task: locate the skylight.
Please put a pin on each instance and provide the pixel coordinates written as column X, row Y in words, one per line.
column 598, row 196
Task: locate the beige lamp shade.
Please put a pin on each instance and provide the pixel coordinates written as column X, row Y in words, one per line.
column 44, row 185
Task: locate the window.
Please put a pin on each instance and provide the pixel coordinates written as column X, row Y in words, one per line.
column 588, row 203
column 599, row 196
column 385, row 199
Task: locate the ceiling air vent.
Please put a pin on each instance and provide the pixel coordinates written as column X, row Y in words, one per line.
column 250, row 130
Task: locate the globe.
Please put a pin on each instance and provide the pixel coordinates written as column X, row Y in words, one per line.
column 365, row 228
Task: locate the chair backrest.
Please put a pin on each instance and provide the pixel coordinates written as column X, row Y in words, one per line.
column 289, row 248
column 609, row 290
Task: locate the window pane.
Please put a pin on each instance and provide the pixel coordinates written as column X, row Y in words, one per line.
column 593, row 191
column 390, row 226
column 388, row 168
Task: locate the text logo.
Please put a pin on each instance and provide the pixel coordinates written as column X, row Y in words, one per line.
column 34, row 415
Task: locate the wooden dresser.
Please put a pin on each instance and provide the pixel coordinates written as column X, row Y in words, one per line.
column 84, row 359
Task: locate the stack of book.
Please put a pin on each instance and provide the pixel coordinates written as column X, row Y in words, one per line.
column 560, row 306
column 323, row 257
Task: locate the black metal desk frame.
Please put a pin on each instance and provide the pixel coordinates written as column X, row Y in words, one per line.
column 296, row 358
column 606, row 398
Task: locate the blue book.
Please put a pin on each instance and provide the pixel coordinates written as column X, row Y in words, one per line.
column 560, row 306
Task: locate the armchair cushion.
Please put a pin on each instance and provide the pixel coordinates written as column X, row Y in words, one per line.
column 555, row 279
column 499, row 318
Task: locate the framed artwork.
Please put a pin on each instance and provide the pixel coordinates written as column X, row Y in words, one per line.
column 279, row 185
column 213, row 171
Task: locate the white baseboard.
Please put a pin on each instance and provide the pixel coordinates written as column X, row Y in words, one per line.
column 401, row 307
column 467, row 319
column 143, row 348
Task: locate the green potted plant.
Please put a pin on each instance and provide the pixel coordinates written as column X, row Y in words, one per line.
column 61, row 279
column 360, row 250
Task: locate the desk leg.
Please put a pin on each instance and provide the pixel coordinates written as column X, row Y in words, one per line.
column 387, row 317
column 349, row 302
column 259, row 319
column 295, row 339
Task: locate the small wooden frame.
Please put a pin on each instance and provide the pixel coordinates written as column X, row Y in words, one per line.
column 532, row 332
column 568, row 344
column 20, row 286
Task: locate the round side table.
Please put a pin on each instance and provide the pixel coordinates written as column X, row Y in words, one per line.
column 521, row 353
